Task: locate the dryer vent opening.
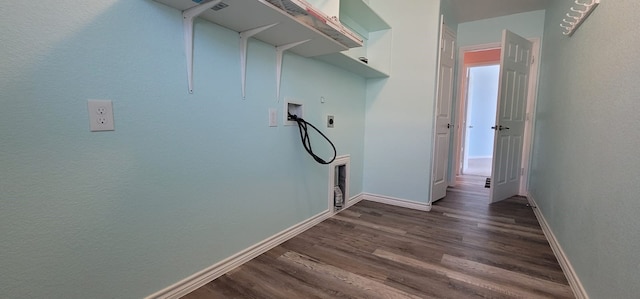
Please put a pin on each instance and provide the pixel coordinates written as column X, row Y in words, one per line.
column 339, row 183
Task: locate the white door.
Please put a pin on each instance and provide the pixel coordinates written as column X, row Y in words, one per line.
column 443, row 114
column 511, row 116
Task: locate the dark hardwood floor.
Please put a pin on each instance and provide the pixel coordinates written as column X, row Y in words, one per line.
column 463, row 248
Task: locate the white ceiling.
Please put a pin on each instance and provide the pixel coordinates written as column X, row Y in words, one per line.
column 473, row 10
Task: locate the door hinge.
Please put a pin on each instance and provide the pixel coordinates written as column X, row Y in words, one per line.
column 533, row 59
column 522, row 171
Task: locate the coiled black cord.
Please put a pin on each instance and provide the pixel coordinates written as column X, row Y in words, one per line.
column 306, row 142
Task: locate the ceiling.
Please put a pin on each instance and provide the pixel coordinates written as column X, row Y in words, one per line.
column 473, row 10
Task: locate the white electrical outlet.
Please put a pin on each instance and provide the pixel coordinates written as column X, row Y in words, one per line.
column 100, row 115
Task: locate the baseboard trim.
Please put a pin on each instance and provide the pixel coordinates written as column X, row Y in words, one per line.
column 193, row 282
column 565, row 264
column 399, row 202
column 353, row 200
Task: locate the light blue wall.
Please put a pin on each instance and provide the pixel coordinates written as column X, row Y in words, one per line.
column 399, row 117
column 585, row 164
column 185, row 180
column 489, row 31
column 482, row 104
column 528, row 24
column 450, row 18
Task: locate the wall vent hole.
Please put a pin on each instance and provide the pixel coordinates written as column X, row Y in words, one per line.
column 220, row 6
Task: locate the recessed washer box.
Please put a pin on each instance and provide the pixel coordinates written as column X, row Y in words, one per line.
column 294, row 108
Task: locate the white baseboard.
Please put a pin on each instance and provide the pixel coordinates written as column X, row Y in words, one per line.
column 399, row 202
column 193, row 282
column 354, row 200
column 565, row 264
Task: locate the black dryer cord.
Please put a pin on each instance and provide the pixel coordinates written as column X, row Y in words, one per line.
column 306, row 142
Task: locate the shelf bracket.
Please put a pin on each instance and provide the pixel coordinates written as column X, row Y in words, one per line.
column 188, row 15
column 279, row 53
column 244, row 39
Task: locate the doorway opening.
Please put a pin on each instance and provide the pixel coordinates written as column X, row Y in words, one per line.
column 485, row 55
column 482, row 100
column 513, row 126
column 477, row 110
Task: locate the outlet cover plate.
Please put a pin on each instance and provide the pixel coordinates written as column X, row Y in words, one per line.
column 273, row 117
column 100, row 115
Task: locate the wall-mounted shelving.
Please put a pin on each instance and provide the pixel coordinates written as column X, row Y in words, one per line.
column 290, row 25
column 363, row 14
column 353, row 65
column 376, row 32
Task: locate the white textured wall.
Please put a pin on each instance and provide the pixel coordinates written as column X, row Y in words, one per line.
column 183, row 182
column 586, row 157
column 399, row 112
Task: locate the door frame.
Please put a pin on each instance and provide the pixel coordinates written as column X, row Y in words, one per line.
column 464, row 101
column 460, row 112
column 532, row 99
column 442, row 29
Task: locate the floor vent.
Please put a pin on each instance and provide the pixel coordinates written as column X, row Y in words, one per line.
column 487, row 183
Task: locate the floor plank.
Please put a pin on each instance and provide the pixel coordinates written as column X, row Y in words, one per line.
column 505, row 289
column 555, row 290
column 464, row 248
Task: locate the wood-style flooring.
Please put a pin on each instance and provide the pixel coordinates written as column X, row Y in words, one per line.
column 463, row 248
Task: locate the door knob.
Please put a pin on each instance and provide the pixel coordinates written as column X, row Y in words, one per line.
column 494, row 128
column 449, row 126
column 470, row 127
column 503, row 128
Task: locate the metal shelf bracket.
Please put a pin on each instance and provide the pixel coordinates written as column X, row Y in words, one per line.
column 188, row 16
column 244, row 39
column 279, row 53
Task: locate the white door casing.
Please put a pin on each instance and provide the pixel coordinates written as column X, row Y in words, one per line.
column 461, row 109
column 511, row 116
column 443, row 111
